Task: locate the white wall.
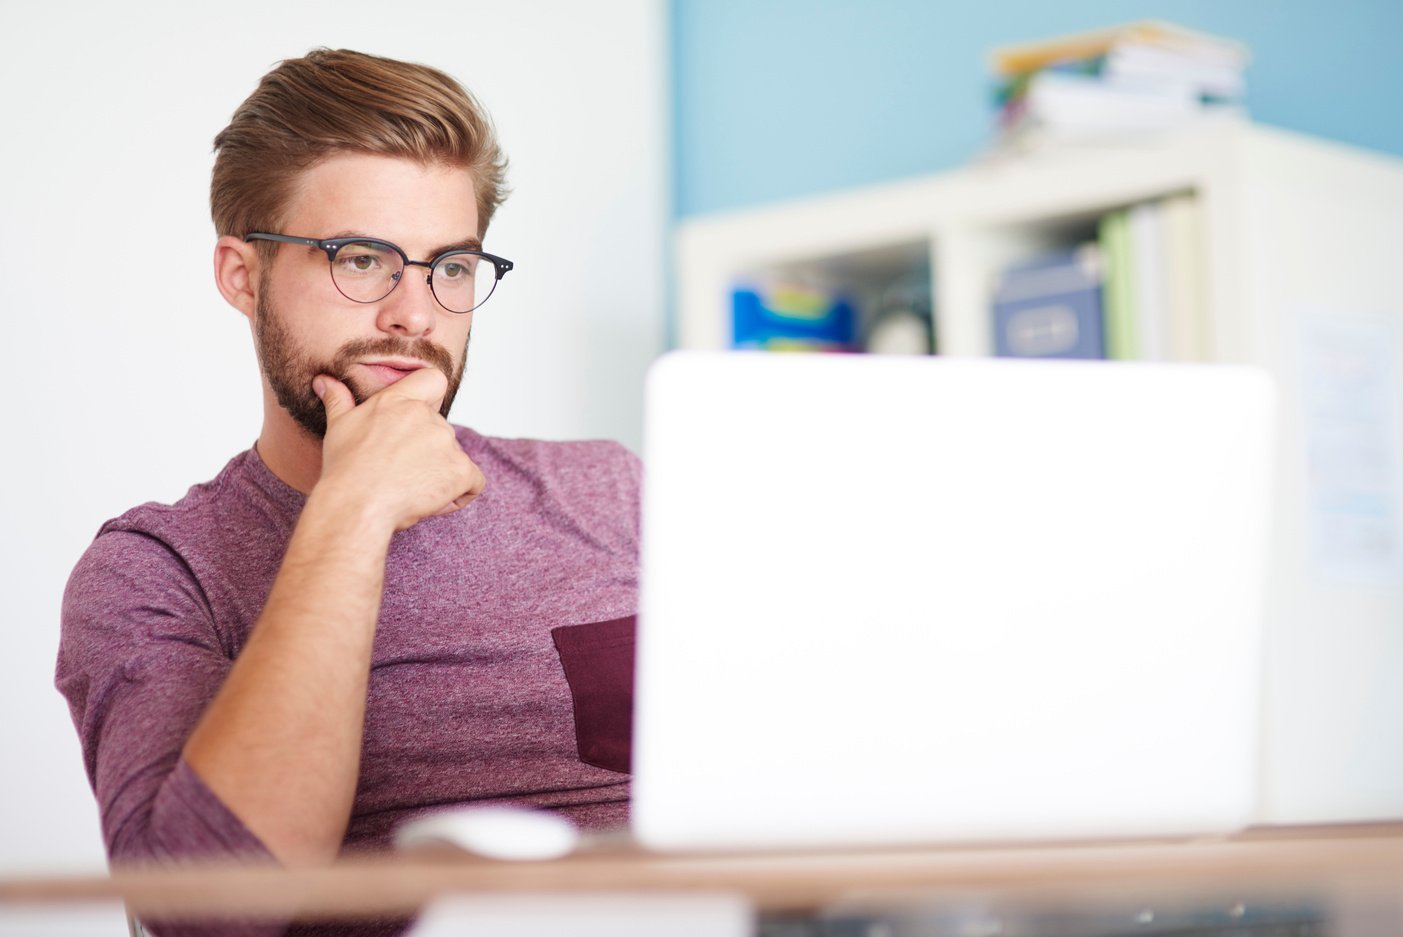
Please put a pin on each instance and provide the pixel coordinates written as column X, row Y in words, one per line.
column 127, row 378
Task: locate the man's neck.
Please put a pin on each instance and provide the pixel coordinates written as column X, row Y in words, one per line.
column 289, row 451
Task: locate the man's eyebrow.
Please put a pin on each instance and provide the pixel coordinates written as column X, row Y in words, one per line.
column 467, row 244
column 473, row 243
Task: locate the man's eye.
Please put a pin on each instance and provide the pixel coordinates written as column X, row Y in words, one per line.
column 358, row 262
column 458, row 267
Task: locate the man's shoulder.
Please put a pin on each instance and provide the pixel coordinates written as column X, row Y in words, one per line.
column 239, row 518
column 198, row 498
column 147, row 572
column 198, row 503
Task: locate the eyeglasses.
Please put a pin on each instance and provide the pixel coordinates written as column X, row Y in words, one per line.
column 366, row 270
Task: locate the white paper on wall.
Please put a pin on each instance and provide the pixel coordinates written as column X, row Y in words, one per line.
column 1354, row 456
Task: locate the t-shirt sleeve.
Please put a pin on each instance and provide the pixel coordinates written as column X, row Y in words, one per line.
column 139, row 660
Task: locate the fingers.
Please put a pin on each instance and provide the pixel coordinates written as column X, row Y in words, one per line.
column 456, row 504
column 476, row 482
column 397, row 433
column 426, row 384
column 335, row 396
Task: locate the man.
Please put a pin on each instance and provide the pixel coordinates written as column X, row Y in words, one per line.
column 370, row 613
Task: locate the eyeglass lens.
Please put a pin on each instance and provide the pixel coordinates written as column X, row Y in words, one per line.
column 366, row 271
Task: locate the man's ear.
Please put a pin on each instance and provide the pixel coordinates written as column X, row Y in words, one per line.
column 236, row 273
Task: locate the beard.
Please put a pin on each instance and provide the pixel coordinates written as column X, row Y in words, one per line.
column 290, row 370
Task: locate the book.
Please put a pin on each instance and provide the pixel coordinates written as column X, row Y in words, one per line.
column 1140, row 63
column 1137, row 293
column 1077, row 106
column 1113, row 235
column 1149, row 264
column 1185, row 284
column 1051, row 307
column 1125, row 82
column 1025, row 57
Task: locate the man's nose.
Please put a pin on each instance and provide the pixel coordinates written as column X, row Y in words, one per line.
column 410, row 309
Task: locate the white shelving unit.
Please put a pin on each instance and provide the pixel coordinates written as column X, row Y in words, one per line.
column 1302, row 245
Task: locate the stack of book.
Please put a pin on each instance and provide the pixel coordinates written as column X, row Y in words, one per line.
column 1137, row 292
column 1115, row 84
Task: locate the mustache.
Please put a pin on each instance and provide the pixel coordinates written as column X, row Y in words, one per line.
column 423, row 349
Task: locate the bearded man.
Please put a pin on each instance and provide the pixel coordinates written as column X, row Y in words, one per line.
column 349, row 625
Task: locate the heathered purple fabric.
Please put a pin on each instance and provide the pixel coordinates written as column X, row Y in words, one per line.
column 467, row 700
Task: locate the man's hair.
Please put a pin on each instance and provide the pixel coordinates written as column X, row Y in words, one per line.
column 331, row 102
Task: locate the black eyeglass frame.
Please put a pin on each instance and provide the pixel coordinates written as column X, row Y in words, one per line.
column 332, row 246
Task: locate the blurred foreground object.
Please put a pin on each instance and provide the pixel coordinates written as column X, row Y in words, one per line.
column 1035, row 617
column 1127, row 82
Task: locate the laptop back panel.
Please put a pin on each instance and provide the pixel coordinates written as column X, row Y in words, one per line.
column 912, row 600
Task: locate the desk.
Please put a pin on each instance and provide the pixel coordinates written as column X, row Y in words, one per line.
column 1330, row 865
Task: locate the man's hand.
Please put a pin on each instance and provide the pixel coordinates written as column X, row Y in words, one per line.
column 394, row 453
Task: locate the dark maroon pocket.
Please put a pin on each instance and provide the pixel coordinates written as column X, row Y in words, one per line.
column 598, row 663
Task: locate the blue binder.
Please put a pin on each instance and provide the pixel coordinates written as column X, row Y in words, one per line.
column 1051, row 308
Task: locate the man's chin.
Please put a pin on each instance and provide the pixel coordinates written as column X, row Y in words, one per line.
column 361, row 391
column 310, row 414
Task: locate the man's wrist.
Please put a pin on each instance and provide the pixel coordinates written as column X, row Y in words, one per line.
column 351, row 512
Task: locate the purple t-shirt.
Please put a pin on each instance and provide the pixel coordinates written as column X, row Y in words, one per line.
column 468, row 697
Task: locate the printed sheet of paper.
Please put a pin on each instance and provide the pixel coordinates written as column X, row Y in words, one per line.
column 1350, row 391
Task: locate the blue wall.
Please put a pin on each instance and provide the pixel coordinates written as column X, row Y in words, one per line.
column 782, row 98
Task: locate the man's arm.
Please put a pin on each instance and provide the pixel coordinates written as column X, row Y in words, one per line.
column 280, row 744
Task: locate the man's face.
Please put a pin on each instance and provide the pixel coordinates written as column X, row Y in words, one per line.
column 303, row 326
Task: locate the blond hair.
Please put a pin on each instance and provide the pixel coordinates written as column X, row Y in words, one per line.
column 338, row 101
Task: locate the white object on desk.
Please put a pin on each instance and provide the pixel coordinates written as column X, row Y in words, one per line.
column 618, row 915
column 494, row 832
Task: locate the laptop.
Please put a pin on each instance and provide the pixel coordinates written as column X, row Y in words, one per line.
column 896, row 601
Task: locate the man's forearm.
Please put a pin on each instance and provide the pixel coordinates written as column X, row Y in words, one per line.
column 280, row 744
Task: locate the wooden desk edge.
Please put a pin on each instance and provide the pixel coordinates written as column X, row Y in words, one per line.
column 1318, row 861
